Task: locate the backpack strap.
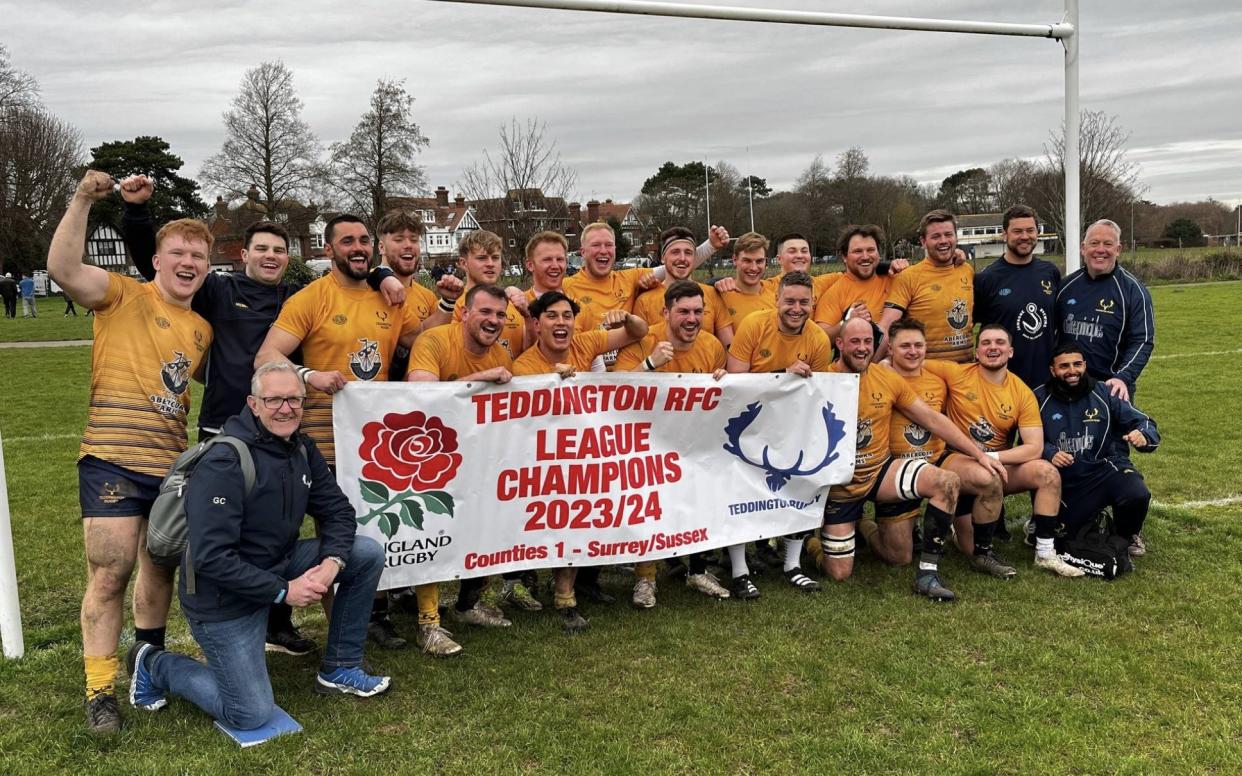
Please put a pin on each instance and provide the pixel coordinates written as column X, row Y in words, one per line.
column 248, row 477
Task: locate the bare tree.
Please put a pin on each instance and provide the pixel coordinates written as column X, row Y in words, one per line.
column 522, row 186
column 377, row 162
column 40, row 156
column 1108, row 180
column 1012, row 182
column 17, row 88
column 267, row 144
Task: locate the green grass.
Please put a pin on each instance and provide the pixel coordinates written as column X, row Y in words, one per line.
column 50, row 325
column 1142, row 675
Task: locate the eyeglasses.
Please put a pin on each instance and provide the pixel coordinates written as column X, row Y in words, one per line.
column 274, row 402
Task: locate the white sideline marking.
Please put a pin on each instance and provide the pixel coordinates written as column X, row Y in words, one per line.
column 42, row 438
column 1216, row 502
column 1193, row 355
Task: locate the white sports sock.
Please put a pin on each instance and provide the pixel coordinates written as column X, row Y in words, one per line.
column 737, row 559
column 1044, row 547
column 793, row 553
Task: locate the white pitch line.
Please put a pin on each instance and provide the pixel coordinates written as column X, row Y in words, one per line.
column 1216, row 502
column 1193, row 355
column 40, row 438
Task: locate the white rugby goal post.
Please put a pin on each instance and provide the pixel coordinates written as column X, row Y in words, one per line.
column 10, row 612
column 1065, row 31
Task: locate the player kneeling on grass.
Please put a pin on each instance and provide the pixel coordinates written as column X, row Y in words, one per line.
column 1084, row 424
column 246, row 554
column 880, row 478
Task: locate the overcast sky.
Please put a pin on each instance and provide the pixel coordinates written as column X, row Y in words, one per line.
column 623, row 94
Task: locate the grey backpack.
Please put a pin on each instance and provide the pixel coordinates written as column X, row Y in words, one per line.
column 168, row 535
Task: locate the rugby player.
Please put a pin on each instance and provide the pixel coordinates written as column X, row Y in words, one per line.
column 750, row 260
column 937, row 291
column 480, row 257
column 677, row 344
column 677, row 250
column 345, row 332
column 465, row 351
column 889, row 533
column 148, row 344
column 779, row 342
column 1019, row 291
column 559, row 348
column 861, row 291
column 990, row 403
column 1082, row 424
column 883, row 480
column 600, row 287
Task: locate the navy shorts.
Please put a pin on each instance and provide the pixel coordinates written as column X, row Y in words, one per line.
column 842, row 512
column 108, row 490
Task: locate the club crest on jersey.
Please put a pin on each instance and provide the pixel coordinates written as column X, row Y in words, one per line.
column 1032, row 321
column 959, row 316
column 1105, row 306
column 176, row 373
column 162, row 322
column 777, row 477
column 365, row 361
column 864, row 433
column 1006, row 410
column 340, row 319
column 981, row 431
column 915, row 434
column 1091, row 415
column 381, row 319
column 1046, row 285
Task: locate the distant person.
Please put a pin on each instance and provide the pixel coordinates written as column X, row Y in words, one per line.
column 1019, row 291
column 9, row 293
column 247, row 554
column 29, row 310
column 69, row 308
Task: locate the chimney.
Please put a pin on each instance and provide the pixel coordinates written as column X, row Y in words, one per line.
column 252, row 193
column 221, row 208
column 575, row 213
column 441, row 196
column 593, row 211
column 459, row 202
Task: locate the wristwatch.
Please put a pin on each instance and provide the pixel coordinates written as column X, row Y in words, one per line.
column 339, row 561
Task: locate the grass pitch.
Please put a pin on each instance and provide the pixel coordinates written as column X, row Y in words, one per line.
column 1142, row 675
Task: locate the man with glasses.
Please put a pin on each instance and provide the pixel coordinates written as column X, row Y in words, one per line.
column 247, row 554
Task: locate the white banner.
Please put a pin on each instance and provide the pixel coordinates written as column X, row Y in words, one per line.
column 468, row 479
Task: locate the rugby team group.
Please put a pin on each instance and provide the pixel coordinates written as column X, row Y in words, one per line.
column 973, row 386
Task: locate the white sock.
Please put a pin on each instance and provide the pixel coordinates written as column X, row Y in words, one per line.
column 1044, row 547
column 793, row 553
column 737, row 559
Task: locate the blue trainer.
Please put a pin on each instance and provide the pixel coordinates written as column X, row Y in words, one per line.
column 350, row 681
column 142, row 693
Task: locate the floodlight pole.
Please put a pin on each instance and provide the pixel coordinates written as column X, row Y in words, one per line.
column 10, row 611
column 1065, row 31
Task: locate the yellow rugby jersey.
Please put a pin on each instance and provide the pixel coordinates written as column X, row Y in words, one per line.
column 760, row 342
column 880, row 392
column 145, row 352
column 512, row 337
column 650, row 307
column 585, row 320
column 615, row 292
column 942, row 298
column 821, row 285
column 440, row 351
column 421, row 299
column 741, row 304
column 705, row 355
column 908, row 439
column 988, row 413
column 831, row 307
column 348, row 330
column 583, row 349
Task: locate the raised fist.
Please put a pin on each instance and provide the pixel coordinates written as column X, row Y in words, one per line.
column 137, row 189
column 95, row 185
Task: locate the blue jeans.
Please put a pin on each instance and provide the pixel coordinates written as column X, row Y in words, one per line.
column 233, row 686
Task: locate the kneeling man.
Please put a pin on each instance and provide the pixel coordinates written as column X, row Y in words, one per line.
column 244, row 555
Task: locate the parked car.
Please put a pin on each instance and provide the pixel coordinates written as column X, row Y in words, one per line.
column 632, row 262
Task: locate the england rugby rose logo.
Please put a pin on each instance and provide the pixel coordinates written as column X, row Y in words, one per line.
column 407, row 459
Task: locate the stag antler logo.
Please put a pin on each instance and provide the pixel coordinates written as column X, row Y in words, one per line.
column 776, row 476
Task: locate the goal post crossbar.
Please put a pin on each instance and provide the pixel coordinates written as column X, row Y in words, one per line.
column 1066, row 31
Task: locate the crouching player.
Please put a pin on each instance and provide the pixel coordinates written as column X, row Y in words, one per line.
column 981, row 489
column 883, row 480
column 1084, row 424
